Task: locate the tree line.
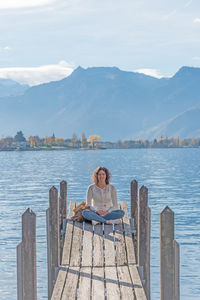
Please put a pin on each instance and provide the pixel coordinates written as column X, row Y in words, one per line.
column 91, row 142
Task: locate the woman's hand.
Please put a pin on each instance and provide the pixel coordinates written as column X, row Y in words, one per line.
column 102, row 213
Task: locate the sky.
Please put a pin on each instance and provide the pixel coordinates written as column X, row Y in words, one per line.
column 45, row 40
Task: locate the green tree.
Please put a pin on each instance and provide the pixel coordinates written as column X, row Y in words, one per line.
column 19, row 137
column 84, row 143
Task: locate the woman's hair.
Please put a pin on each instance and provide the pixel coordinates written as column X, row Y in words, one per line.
column 96, row 172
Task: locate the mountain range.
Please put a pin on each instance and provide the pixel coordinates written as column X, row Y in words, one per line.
column 112, row 103
column 10, row 87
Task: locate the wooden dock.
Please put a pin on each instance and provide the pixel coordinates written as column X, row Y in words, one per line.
column 98, row 262
column 102, row 261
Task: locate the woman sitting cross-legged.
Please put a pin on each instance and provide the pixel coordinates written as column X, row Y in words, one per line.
column 102, row 199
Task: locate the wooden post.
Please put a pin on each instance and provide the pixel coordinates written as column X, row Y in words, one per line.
column 19, row 272
column 63, row 201
column 143, row 237
column 134, row 201
column 176, row 271
column 53, row 238
column 167, row 254
column 26, row 258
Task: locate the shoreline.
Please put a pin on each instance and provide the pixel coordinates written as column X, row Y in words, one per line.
column 97, row 149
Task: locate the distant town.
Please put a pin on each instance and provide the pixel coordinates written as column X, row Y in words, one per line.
column 93, row 142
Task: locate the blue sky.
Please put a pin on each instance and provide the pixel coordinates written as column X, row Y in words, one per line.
column 44, row 40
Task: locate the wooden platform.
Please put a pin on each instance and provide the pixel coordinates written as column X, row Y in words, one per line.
column 98, row 262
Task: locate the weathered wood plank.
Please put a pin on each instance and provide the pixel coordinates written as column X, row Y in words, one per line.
column 112, row 283
column 121, row 258
column 109, row 245
column 67, row 243
column 68, row 236
column 98, row 291
column 76, row 245
column 70, row 287
column 98, row 258
column 59, row 286
column 137, row 283
column 128, row 236
column 126, row 286
column 84, row 284
column 87, row 245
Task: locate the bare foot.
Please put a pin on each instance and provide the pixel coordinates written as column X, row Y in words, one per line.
column 108, row 222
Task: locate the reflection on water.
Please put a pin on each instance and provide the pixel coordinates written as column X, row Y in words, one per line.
column 171, row 175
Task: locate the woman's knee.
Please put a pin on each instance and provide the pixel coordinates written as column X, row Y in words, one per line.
column 85, row 213
column 121, row 213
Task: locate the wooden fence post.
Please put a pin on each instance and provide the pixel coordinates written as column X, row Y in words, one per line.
column 26, row 258
column 134, row 201
column 53, row 238
column 63, row 201
column 169, row 257
column 143, row 240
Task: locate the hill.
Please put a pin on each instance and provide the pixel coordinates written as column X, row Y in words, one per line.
column 112, row 103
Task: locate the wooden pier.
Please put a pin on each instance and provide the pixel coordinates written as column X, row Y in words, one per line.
column 107, row 262
column 98, row 262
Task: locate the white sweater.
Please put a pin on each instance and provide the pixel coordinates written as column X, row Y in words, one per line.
column 102, row 199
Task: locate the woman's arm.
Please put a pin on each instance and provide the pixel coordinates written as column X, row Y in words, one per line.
column 89, row 198
column 114, row 199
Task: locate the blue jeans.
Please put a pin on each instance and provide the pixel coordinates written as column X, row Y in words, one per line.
column 91, row 215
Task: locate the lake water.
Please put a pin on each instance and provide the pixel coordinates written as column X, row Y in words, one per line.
column 171, row 175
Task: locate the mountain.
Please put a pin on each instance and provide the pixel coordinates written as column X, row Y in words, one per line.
column 107, row 101
column 186, row 124
column 10, row 87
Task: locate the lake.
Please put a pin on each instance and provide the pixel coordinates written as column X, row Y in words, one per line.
column 171, row 175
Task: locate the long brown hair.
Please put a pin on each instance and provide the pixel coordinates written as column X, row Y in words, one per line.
column 96, row 172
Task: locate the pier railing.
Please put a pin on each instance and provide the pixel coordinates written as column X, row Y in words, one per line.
column 140, row 219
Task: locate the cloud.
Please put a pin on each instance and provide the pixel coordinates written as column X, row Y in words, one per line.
column 188, row 3
column 10, row 4
column 5, row 48
column 150, row 72
column 197, row 20
column 37, row 75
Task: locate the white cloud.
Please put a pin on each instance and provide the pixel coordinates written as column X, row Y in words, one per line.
column 9, row 4
column 150, row 72
column 37, row 75
column 197, row 20
column 188, row 3
column 5, row 48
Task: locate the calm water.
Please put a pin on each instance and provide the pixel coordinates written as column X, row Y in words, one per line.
column 171, row 175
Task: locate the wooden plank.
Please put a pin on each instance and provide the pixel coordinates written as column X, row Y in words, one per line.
column 59, row 286
column 112, row 283
column 75, row 259
column 84, row 283
column 67, row 242
column 126, row 286
column 121, row 257
column 70, row 287
column 137, row 283
column 98, row 290
column 98, row 258
column 109, row 245
column 87, row 245
column 128, row 236
column 68, row 236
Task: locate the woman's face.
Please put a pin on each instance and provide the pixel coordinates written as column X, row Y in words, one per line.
column 101, row 176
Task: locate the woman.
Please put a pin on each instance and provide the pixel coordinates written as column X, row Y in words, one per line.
column 102, row 199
